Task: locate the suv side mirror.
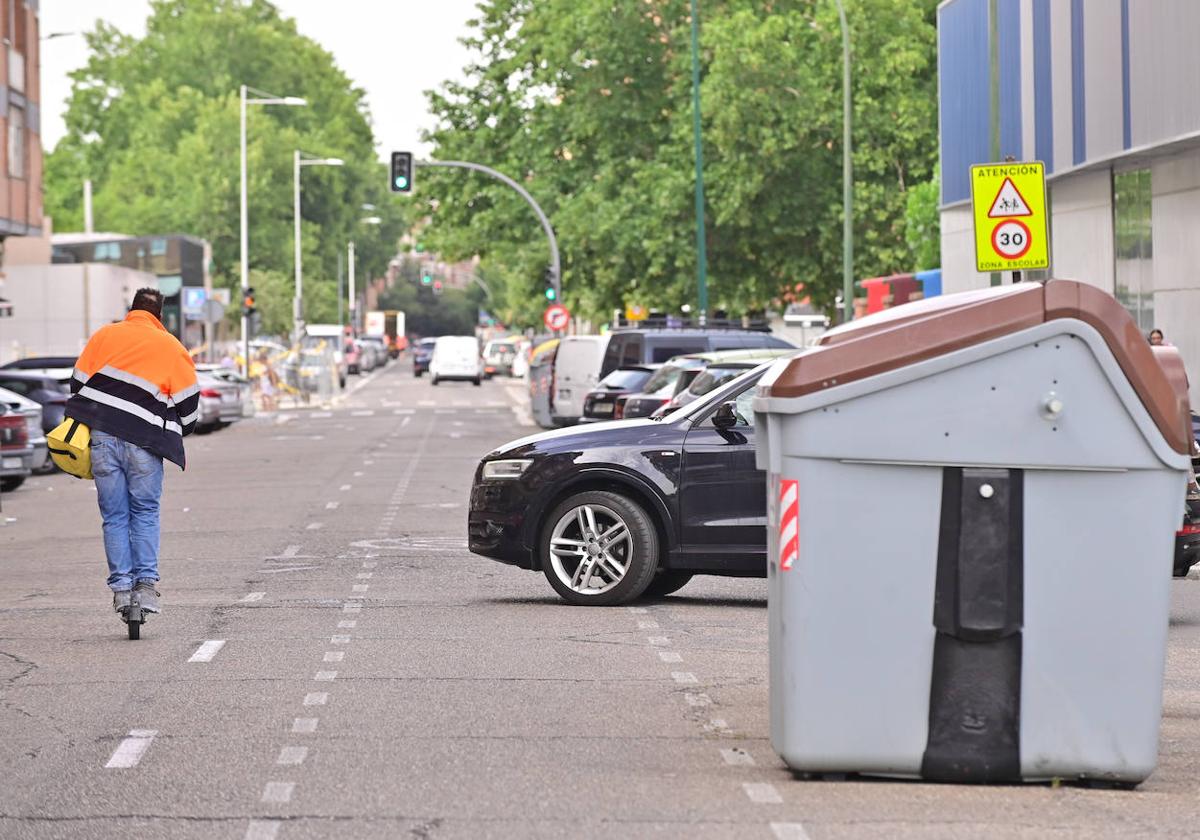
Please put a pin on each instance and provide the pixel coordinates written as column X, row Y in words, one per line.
column 725, row 417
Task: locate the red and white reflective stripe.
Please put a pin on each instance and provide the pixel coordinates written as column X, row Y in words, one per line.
column 789, row 523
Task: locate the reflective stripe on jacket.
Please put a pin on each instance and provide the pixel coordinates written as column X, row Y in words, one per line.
column 135, row 381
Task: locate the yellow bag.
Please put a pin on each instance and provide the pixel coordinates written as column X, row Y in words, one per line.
column 69, row 447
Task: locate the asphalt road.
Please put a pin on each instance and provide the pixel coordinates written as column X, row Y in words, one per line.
column 332, row 662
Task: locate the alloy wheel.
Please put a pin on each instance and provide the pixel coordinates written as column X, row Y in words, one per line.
column 591, row 549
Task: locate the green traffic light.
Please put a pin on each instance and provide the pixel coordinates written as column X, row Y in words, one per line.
column 426, row 279
column 551, row 294
column 401, row 182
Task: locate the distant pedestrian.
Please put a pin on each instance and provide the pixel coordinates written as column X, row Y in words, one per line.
column 1156, row 338
column 135, row 386
column 268, row 383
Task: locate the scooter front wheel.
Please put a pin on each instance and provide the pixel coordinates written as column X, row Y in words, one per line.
column 133, row 620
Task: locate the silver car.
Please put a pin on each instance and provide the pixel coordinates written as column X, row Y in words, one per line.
column 32, row 411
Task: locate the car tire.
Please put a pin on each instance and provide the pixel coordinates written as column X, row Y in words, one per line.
column 636, row 548
column 667, row 582
column 11, row 483
column 433, row 380
column 475, row 382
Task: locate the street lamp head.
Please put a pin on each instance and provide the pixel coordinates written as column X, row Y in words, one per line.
column 293, row 100
column 331, row 162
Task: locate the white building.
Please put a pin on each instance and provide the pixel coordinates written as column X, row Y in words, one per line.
column 1107, row 94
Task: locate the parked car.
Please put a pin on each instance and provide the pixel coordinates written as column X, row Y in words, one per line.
column 657, row 344
column 59, row 366
column 43, row 388
column 577, row 370
column 378, row 345
column 1187, row 538
column 717, row 373
column 541, row 382
column 498, row 357
column 600, row 404
column 32, row 412
column 16, row 452
column 612, row 511
column 221, row 400
column 316, row 336
column 422, row 353
column 676, row 376
column 245, row 392
column 456, row 357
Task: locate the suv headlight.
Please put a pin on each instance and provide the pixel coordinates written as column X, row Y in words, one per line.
column 511, row 468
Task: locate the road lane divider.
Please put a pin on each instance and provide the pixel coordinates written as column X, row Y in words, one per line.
column 207, row 651
column 762, row 793
column 278, row 792
column 292, row 755
column 129, row 752
column 304, row 726
column 262, row 830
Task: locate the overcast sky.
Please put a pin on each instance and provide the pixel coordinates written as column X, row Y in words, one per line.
column 361, row 34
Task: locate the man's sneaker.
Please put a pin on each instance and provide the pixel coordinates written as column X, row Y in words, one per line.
column 147, row 596
column 121, row 598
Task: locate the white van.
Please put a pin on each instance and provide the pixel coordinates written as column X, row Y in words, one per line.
column 576, row 371
column 456, row 357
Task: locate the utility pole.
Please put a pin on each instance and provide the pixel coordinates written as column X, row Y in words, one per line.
column 88, row 228
column 994, row 93
column 353, row 298
column 698, row 143
column 847, row 175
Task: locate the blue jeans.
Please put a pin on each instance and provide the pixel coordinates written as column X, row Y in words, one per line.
column 128, row 485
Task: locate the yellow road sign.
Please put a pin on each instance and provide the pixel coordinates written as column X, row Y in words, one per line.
column 635, row 312
column 1009, row 204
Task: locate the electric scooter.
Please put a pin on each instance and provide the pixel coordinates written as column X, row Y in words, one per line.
column 134, row 616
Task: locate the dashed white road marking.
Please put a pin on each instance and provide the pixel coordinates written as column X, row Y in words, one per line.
column 253, row 596
column 344, row 487
column 684, row 677
column 670, row 656
column 304, row 726
column 278, row 791
column 365, row 575
column 325, row 676
column 358, row 474
column 718, row 725
column 648, row 625
column 315, row 526
column 352, row 608
column 131, row 749
column 207, row 651
column 321, row 415
column 737, row 757
column 332, row 505
column 365, row 413
column 426, row 402
column 763, row 793
column 367, row 462
column 262, row 830
column 697, row 699
column 339, row 640
column 361, row 587
column 347, row 625
column 789, row 831
column 658, row 640
column 316, row 698
column 335, row 656
column 292, row 755
column 405, row 422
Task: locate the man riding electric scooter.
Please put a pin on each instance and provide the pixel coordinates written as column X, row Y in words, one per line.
column 135, row 387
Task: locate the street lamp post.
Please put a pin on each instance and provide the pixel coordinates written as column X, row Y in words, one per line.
column 847, row 176
column 260, row 99
column 299, row 159
column 698, row 143
column 353, row 298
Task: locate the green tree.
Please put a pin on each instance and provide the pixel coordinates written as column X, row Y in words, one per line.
column 154, row 122
column 588, row 103
column 923, row 223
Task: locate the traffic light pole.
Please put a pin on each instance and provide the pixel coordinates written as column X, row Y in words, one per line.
column 555, row 262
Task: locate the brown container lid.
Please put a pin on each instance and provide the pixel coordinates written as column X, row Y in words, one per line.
column 936, row 326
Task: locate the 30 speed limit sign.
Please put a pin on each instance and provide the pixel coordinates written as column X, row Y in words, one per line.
column 1009, row 204
column 1011, row 239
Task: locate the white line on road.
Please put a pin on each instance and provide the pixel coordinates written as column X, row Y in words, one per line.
column 292, row 755
column 365, row 575
column 670, row 656
column 207, row 651
column 344, row 487
column 339, row 640
column 304, row 726
column 361, row 587
column 278, row 791
column 352, row 608
column 658, row 641
column 405, row 422
column 253, row 596
column 332, row 505
column 737, row 757
column 130, row 751
column 719, row 725
column 426, row 402
column 321, row 415
column 367, row 463
column 315, row 526
column 370, row 412
column 358, row 474
column 335, row 656
column 325, row 676
column 697, row 699
column 684, row 677
column 648, row 625
column 262, row 830
column 316, row 698
column 789, row 831
column 290, row 551
column 764, row 793
column 286, row 569
column 347, row 625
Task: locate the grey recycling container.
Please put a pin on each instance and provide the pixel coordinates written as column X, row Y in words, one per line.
column 973, row 501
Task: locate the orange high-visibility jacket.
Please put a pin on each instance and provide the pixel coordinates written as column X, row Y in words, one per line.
column 135, row 381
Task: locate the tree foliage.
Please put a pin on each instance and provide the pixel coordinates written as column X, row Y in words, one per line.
column 154, row 122
column 588, row 104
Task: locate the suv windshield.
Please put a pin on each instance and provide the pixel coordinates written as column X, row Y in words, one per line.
column 624, row 380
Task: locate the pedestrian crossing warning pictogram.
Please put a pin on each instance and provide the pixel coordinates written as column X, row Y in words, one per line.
column 1009, row 207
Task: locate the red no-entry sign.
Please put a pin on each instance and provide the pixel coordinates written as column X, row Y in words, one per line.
column 556, row 317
